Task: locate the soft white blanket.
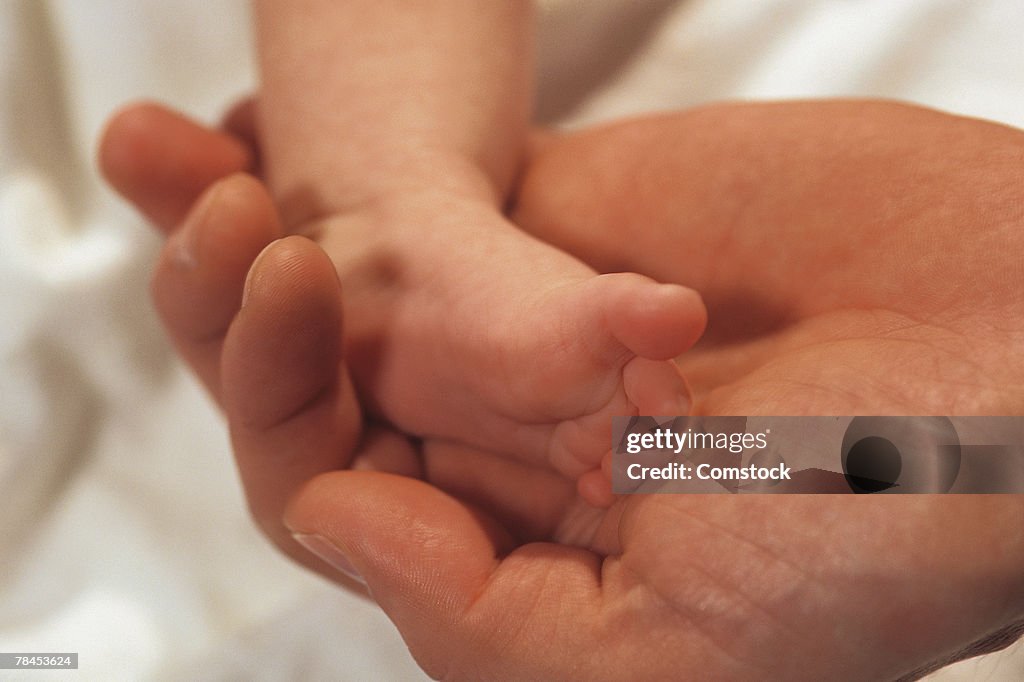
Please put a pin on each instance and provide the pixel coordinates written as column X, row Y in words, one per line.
column 123, row 534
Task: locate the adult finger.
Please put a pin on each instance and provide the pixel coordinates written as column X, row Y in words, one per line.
column 198, row 281
column 290, row 404
column 443, row 572
column 162, row 161
column 532, row 502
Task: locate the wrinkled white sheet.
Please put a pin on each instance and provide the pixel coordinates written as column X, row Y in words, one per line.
column 123, row 534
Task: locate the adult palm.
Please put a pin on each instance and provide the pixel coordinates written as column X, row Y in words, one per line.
column 855, row 256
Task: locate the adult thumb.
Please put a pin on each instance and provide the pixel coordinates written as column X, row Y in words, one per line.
column 423, row 555
column 467, row 606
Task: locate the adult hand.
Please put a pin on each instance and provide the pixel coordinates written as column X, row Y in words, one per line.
column 856, row 257
column 494, row 570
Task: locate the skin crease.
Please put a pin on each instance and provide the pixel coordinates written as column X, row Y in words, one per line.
column 903, row 225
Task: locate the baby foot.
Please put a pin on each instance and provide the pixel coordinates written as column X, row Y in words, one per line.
column 462, row 326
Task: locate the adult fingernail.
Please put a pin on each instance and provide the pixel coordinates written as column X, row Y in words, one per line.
column 329, row 553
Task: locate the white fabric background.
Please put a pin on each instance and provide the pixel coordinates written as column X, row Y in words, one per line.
column 123, row 534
